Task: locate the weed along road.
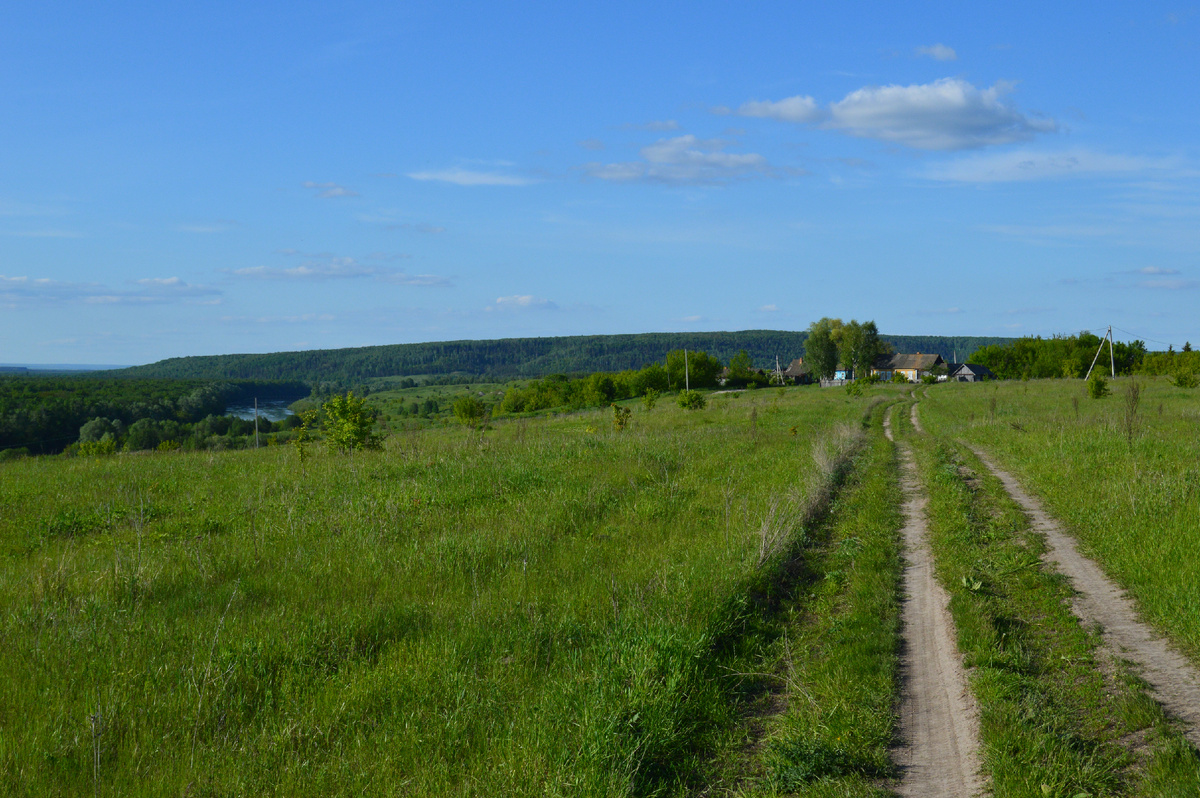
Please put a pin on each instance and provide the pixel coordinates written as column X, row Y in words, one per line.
column 1102, row 603
column 938, row 753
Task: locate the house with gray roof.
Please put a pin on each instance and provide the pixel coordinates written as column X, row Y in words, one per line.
column 912, row 366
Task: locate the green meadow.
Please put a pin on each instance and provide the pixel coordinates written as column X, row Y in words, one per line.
column 546, row 607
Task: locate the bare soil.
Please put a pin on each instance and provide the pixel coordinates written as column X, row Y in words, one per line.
column 1099, row 601
column 938, row 752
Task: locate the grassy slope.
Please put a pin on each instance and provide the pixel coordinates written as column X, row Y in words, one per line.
column 551, row 609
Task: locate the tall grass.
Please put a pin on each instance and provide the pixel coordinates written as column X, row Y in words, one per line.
column 1122, row 473
column 548, row 608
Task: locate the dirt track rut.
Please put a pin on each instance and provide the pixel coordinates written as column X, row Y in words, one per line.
column 939, row 722
column 1175, row 680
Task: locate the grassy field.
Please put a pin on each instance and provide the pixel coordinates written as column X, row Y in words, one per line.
column 550, row 607
column 1123, row 477
column 1058, row 716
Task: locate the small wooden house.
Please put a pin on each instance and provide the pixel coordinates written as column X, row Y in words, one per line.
column 913, row 367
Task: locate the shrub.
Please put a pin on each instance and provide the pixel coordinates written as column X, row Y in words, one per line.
column 692, row 400
column 620, row 417
column 1097, row 386
column 650, row 398
column 1185, row 379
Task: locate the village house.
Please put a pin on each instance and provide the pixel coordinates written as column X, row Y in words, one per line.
column 966, row 372
column 913, row 367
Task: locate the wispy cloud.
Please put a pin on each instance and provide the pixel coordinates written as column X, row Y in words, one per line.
column 330, row 190
column 1170, row 285
column 769, row 308
column 938, row 52
column 522, row 302
column 592, row 144
column 219, row 226
column 471, row 177
column 685, row 160
column 150, row 290
column 657, row 126
column 417, row 228
column 1025, row 165
column 1156, row 270
column 42, row 233
column 947, row 114
column 303, row 318
column 801, row 109
column 339, row 268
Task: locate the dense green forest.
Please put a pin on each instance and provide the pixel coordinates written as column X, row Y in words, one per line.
column 45, row 414
column 1072, row 355
column 510, row 358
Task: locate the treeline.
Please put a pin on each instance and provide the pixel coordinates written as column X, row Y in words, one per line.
column 217, row 433
column 691, row 369
column 45, row 414
column 513, row 358
column 1058, row 356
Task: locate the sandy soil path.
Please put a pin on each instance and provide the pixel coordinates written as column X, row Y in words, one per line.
column 1175, row 680
column 939, row 722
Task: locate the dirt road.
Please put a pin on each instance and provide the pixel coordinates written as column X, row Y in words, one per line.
column 1175, row 680
column 939, row 722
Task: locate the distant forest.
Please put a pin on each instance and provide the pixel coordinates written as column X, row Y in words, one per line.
column 511, row 358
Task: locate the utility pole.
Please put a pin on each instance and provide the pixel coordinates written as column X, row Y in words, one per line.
column 1112, row 363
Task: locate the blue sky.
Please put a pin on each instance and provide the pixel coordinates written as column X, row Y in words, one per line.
column 216, row 178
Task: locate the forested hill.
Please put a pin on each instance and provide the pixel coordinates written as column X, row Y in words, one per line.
column 518, row 357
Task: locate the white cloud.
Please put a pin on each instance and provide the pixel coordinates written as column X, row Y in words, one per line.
column 802, row 109
column 1157, row 270
column 522, row 302
column 417, row 228
column 1023, row 165
column 470, row 177
column 769, row 308
column 300, row 319
column 1171, row 285
column 330, row 190
column 340, row 268
column 938, row 52
column 948, row 114
column 592, row 144
column 152, row 290
column 657, row 126
column 685, row 160
column 43, row 233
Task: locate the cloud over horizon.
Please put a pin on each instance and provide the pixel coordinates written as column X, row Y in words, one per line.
column 339, row 268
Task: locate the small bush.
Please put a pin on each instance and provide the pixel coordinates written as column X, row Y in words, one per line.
column 650, row 398
column 692, row 400
column 1185, row 379
column 1097, row 386
column 621, row 417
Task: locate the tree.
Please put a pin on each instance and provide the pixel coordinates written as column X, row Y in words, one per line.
column 468, row 410
column 701, row 369
column 860, row 346
column 821, row 347
column 348, row 424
